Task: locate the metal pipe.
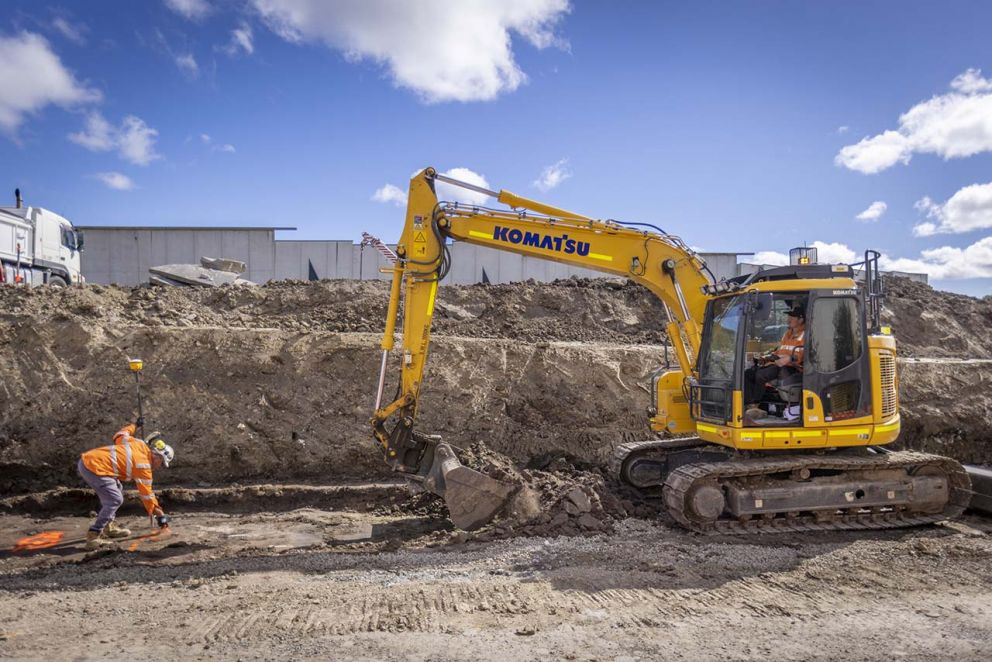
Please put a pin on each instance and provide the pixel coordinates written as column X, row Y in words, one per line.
column 465, row 185
column 394, row 307
column 141, row 413
column 681, row 297
column 382, row 380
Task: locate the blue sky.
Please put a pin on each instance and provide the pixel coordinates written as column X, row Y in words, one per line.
column 740, row 126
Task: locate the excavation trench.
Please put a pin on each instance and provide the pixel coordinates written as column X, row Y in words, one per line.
column 275, row 384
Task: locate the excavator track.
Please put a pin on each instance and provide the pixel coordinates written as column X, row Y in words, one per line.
column 880, row 491
column 645, row 464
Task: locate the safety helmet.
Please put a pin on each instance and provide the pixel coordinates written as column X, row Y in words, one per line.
column 160, row 448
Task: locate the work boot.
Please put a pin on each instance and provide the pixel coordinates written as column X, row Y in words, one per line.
column 95, row 540
column 114, row 531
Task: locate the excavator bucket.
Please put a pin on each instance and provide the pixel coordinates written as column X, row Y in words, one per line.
column 473, row 498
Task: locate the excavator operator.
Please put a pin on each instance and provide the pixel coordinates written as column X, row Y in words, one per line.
column 785, row 361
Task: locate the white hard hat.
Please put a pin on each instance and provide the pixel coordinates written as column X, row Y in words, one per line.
column 160, row 448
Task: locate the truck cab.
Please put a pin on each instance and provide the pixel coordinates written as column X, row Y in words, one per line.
column 38, row 247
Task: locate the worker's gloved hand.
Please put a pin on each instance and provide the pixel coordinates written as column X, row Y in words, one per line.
column 140, row 423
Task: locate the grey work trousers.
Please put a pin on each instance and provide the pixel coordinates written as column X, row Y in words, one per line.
column 109, row 491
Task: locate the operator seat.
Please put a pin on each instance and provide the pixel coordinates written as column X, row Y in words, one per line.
column 790, row 389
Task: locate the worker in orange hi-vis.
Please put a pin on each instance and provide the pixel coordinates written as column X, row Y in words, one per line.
column 128, row 458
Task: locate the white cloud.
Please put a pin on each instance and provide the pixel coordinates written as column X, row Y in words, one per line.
column 874, row 211
column 133, row 139
column 952, row 125
column 943, row 263
column 74, row 32
column 971, row 82
column 193, row 10
column 771, row 258
column 390, row 193
column 946, row 262
column 33, row 77
column 187, row 64
column 841, row 130
column 451, row 193
column 553, row 175
column 875, row 154
column 207, row 140
column 242, row 41
column 443, row 51
column 136, row 141
column 834, row 253
column 968, row 209
column 115, row 180
column 97, row 136
column 445, row 192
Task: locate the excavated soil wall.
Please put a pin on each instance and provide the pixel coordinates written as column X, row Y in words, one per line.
column 276, row 383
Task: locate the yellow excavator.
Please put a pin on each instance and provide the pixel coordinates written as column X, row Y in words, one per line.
column 739, row 447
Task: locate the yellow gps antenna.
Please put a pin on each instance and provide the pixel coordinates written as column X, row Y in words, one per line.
column 136, row 366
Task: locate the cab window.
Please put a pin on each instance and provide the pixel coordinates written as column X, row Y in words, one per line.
column 835, row 334
column 69, row 239
column 768, row 322
column 717, row 360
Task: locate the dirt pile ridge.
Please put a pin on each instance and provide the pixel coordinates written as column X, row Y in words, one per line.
column 569, row 310
column 275, row 383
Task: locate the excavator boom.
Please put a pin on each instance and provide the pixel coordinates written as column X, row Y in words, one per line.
column 661, row 262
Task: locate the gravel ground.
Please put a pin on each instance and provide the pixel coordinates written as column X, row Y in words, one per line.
column 281, row 586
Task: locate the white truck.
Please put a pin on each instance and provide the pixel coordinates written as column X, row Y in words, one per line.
column 38, row 247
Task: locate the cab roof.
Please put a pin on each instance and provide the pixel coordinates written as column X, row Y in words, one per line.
column 794, row 277
column 796, row 272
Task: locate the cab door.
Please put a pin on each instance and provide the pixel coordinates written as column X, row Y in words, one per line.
column 837, row 378
column 719, row 362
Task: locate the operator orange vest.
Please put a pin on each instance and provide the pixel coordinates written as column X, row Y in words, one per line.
column 792, row 346
column 129, row 458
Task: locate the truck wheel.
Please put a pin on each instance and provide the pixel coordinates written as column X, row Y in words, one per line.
column 57, row 281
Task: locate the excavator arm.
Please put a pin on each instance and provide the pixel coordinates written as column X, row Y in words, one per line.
column 660, row 262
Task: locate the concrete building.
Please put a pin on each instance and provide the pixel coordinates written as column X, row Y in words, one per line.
column 123, row 254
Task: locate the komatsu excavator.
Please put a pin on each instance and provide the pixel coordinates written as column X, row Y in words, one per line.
column 808, row 454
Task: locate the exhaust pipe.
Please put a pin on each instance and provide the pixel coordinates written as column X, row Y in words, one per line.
column 17, row 198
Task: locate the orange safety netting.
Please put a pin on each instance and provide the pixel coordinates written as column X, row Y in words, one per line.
column 41, row 540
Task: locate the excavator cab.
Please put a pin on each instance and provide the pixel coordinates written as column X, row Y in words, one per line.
column 838, row 384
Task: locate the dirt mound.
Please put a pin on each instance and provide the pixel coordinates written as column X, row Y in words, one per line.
column 275, row 382
column 564, row 500
column 570, row 310
column 928, row 322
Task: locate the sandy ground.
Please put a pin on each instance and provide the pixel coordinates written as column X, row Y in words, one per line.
column 360, row 585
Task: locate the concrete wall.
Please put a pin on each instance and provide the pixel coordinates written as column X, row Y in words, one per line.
column 124, row 254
